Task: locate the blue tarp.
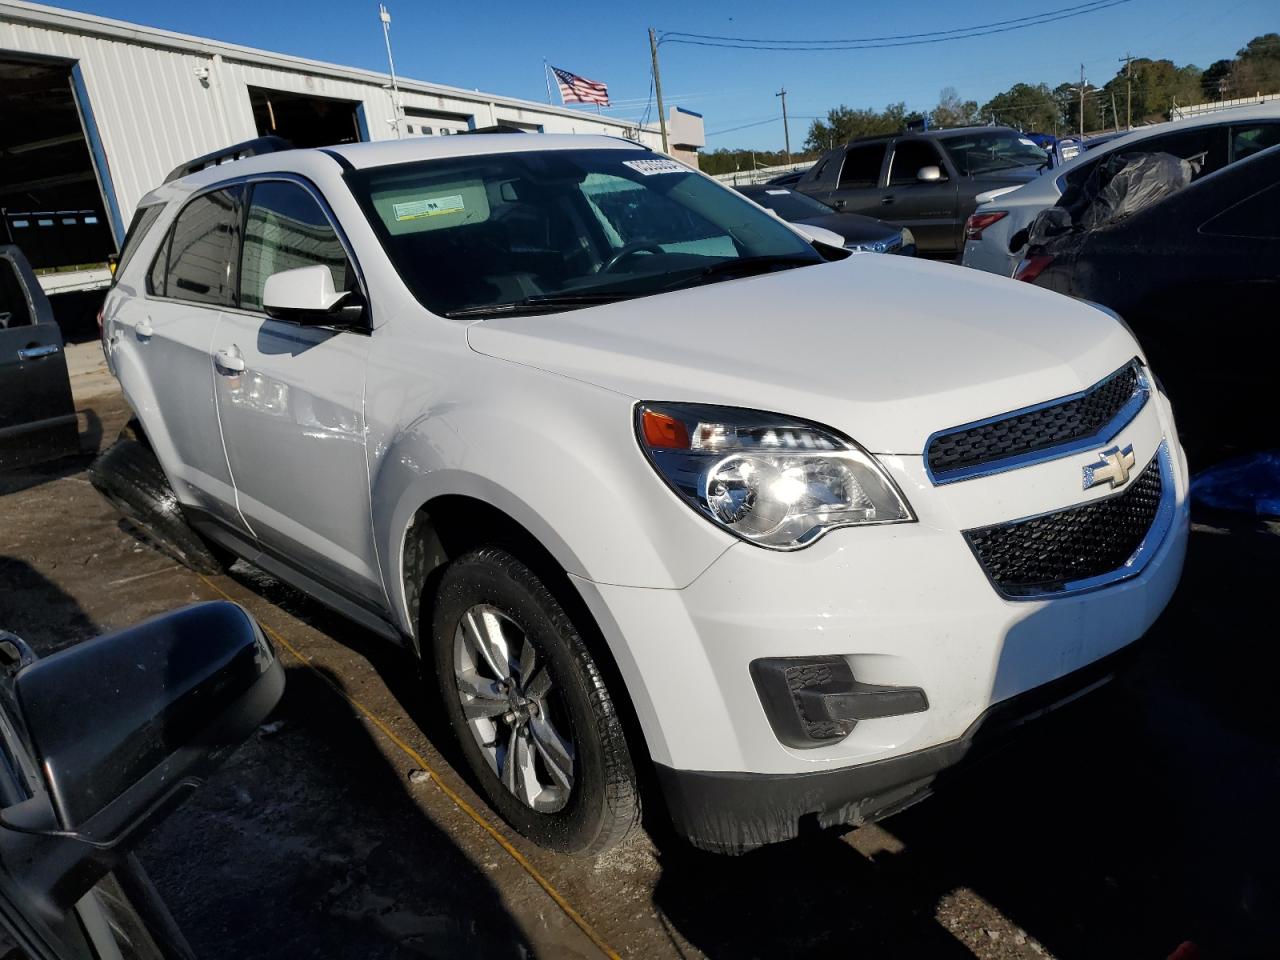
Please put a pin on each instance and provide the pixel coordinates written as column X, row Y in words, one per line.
column 1248, row 485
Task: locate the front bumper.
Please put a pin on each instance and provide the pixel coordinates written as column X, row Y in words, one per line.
column 905, row 605
column 734, row 813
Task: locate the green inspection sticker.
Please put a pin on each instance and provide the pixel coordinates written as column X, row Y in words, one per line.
column 429, row 207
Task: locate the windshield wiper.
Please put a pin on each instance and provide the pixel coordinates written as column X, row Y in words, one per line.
column 744, row 266
column 539, row 303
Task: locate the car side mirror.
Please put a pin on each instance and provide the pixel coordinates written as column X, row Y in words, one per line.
column 306, row 296
column 122, row 728
column 929, row 174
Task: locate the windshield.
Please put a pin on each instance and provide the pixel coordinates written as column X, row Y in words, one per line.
column 560, row 228
column 985, row 151
column 789, row 205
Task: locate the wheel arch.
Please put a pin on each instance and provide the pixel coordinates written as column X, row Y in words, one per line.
column 450, row 524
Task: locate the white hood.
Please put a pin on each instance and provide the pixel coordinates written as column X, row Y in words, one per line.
column 886, row 349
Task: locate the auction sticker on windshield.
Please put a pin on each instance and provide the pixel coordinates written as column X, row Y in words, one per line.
column 656, row 166
column 429, row 207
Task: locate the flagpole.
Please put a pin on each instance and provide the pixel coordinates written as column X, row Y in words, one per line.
column 546, row 75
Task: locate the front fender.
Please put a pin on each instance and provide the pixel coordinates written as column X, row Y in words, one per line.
column 558, row 457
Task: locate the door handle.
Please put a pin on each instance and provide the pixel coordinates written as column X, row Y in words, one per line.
column 143, row 328
column 35, row 353
column 228, row 364
column 888, row 199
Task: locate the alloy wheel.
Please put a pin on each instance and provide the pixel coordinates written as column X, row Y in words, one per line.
column 512, row 709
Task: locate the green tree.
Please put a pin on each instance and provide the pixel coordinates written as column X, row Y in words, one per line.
column 951, row 111
column 1158, row 85
column 1068, row 97
column 726, row 160
column 1031, row 107
column 1257, row 68
column 844, row 123
column 1214, row 80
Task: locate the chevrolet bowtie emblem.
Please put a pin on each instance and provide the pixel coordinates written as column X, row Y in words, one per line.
column 1113, row 468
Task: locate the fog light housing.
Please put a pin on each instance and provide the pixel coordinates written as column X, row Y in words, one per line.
column 815, row 701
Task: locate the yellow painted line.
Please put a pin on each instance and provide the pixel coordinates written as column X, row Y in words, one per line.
column 458, row 800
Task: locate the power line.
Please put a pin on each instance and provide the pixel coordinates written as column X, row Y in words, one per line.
column 758, row 123
column 1083, row 8
column 898, row 40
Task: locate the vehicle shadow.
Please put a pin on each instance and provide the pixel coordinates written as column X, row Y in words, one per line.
column 397, row 666
column 17, row 479
column 306, row 842
column 1123, row 825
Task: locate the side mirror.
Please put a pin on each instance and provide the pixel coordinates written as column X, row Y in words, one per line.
column 816, row 234
column 306, row 296
column 930, row 174
column 122, row 728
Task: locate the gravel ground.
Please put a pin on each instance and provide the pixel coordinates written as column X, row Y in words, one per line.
column 1139, row 819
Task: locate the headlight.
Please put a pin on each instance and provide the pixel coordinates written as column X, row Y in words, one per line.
column 869, row 246
column 774, row 481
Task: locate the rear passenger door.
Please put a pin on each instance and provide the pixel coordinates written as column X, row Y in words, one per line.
column 291, row 401
column 161, row 344
column 927, row 207
column 857, row 190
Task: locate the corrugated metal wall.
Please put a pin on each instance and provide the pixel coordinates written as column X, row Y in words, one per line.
column 155, row 106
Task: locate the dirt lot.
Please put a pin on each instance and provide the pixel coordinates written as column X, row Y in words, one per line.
column 1140, row 820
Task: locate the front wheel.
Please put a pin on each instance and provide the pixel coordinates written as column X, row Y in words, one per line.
column 529, row 707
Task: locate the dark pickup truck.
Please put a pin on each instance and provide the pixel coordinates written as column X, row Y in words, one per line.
column 37, row 415
column 927, row 181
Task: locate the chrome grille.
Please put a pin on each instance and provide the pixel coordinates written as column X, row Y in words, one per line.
column 1043, row 432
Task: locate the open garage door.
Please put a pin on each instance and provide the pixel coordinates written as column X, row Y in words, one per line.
column 50, row 191
column 303, row 120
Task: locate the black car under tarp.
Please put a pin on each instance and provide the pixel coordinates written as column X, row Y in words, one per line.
column 1117, row 188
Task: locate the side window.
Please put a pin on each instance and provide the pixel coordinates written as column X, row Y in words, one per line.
column 1248, row 140
column 286, row 229
column 159, row 266
column 908, row 157
column 14, row 309
column 202, row 250
column 862, row 166
column 143, row 219
column 1206, row 144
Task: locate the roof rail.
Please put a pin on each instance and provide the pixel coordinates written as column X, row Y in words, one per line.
column 237, row 151
column 497, row 128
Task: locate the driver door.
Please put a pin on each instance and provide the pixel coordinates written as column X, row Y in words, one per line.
column 929, row 208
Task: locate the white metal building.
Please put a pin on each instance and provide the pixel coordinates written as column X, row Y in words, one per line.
column 96, row 112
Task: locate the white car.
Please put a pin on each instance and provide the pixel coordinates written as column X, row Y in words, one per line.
column 995, row 234
column 646, row 479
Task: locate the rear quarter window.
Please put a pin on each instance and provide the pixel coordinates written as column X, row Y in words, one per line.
column 144, row 219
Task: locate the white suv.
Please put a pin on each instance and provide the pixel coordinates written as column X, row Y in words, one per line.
column 646, row 479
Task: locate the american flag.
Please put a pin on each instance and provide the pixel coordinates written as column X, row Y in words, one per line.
column 576, row 89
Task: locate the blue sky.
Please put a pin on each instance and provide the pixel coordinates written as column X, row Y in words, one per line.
column 499, row 47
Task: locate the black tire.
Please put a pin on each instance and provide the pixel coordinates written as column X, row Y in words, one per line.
column 131, row 478
column 603, row 805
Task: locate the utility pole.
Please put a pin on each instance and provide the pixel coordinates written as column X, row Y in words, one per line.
column 1115, row 114
column 657, row 87
column 385, row 16
column 1082, row 101
column 786, row 131
column 1128, row 85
